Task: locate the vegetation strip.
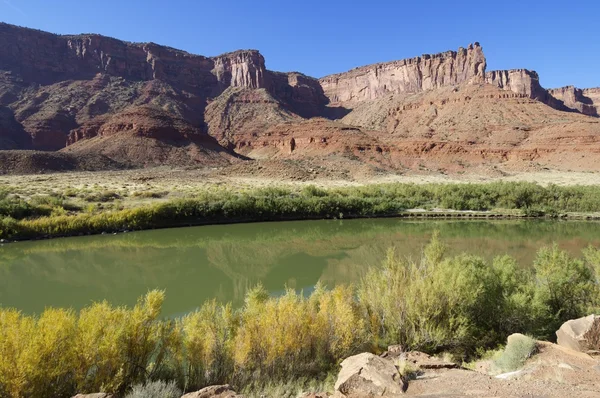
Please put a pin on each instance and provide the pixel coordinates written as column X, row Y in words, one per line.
column 55, row 215
column 460, row 305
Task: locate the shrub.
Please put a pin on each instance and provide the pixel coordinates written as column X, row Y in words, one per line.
column 36, row 354
column 207, row 345
column 517, row 351
column 435, row 304
column 155, row 389
column 222, row 205
column 566, row 288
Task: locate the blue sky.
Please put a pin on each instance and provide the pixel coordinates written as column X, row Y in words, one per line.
column 559, row 39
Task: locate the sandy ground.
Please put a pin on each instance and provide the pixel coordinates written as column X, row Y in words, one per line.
column 553, row 372
column 173, row 179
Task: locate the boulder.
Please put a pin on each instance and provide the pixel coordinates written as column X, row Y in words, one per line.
column 224, row 391
column 367, row 375
column 417, row 359
column 581, row 334
column 420, row 360
column 96, row 395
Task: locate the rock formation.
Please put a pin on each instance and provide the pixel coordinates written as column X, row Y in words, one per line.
column 407, row 76
column 367, row 375
column 224, row 391
column 111, row 102
column 62, row 89
column 581, row 334
column 46, row 58
column 586, row 101
column 524, row 82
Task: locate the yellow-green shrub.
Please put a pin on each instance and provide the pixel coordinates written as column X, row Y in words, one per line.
column 291, row 336
column 207, row 338
column 36, row 355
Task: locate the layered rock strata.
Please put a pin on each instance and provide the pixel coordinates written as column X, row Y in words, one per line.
column 586, row 101
column 407, row 76
column 523, row 82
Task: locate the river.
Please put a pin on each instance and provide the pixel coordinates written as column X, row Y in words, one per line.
column 200, row 263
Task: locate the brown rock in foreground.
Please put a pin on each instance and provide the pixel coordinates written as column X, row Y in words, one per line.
column 224, row 391
column 581, row 334
column 367, row 375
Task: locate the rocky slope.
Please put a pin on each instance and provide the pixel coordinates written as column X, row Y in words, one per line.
column 61, row 90
column 142, row 104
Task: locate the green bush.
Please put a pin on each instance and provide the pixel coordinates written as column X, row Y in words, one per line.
column 565, row 288
column 52, row 216
column 517, row 351
column 461, row 303
column 435, row 304
column 155, row 389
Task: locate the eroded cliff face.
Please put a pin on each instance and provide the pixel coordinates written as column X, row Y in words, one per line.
column 63, row 88
column 523, row 82
column 148, row 104
column 46, row 58
column 244, row 69
column 407, row 76
column 586, row 101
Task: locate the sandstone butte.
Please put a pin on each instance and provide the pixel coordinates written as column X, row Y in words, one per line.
column 98, row 102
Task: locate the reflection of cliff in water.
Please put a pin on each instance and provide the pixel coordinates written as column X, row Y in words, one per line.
column 222, row 262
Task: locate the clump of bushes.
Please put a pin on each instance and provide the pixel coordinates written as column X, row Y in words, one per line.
column 439, row 303
column 462, row 304
column 21, row 219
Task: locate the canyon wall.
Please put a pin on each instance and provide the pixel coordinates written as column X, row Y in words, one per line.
column 586, row 101
column 409, row 75
column 523, row 82
column 46, row 58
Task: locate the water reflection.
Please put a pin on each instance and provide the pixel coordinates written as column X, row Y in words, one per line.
column 222, row 262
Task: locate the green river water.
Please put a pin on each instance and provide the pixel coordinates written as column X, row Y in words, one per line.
column 222, row 261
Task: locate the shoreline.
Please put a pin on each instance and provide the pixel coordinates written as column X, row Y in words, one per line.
column 411, row 214
column 29, row 213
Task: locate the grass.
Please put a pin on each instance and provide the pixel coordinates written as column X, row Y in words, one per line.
column 103, row 210
column 517, row 351
column 460, row 305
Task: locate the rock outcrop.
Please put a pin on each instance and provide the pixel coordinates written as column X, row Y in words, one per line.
column 46, row 58
column 581, row 334
column 224, row 391
column 367, row 375
column 586, row 101
column 407, row 76
column 522, row 82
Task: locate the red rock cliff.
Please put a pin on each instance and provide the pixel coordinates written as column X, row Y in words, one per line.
column 524, row 82
column 586, row 101
column 409, row 75
column 45, row 58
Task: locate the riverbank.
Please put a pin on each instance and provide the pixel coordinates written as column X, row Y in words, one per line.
column 458, row 306
column 35, row 212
